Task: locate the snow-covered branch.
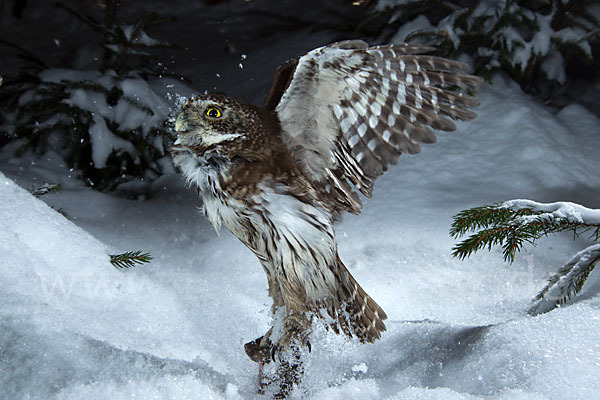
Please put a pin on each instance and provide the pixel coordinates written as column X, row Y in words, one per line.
column 561, row 210
column 108, row 121
column 534, row 42
column 567, row 281
column 513, row 223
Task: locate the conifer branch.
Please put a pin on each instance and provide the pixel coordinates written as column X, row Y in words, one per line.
column 46, row 188
column 129, row 259
column 36, row 107
column 25, row 54
column 516, row 222
column 506, row 35
column 110, row 14
column 508, row 226
column 567, row 282
column 84, row 18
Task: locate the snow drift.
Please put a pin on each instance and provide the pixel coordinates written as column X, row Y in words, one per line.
column 74, row 327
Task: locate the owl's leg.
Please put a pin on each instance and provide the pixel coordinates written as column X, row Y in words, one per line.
column 288, row 350
column 289, row 373
column 283, row 344
column 260, row 349
column 295, row 334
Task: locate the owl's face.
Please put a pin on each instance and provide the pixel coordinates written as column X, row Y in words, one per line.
column 216, row 125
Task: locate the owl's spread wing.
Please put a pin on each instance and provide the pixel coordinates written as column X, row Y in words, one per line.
column 348, row 110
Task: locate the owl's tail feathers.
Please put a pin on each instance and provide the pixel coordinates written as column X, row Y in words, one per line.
column 361, row 316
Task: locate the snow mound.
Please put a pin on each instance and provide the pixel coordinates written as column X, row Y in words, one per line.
column 74, row 327
column 77, row 326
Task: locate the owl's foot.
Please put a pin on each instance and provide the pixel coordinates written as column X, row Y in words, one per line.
column 289, row 374
column 282, row 352
column 263, row 350
column 286, row 353
column 283, row 376
column 260, row 349
column 294, row 337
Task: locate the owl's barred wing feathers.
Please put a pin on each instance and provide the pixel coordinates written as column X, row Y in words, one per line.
column 347, row 110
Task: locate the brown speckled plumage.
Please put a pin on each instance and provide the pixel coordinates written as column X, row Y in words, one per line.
column 278, row 176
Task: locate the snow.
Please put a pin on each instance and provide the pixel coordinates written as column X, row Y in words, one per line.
column 553, row 66
column 421, row 23
column 141, row 37
column 524, row 50
column 574, row 35
column 561, row 210
column 383, row 4
column 104, row 142
column 362, row 367
column 140, row 106
column 446, row 26
column 75, row 327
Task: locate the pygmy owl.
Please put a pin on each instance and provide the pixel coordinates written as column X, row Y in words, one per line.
column 279, row 176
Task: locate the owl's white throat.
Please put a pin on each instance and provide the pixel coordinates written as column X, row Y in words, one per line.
column 204, row 171
column 207, row 138
column 210, row 139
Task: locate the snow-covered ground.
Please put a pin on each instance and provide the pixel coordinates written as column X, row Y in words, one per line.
column 74, row 327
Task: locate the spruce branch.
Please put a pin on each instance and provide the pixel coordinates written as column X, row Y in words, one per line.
column 508, row 35
column 46, row 188
column 37, row 107
column 84, row 18
column 513, row 223
column 567, row 282
column 129, row 259
column 61, row 211
column 25, row 54
column 111, row 13
column 478, row 218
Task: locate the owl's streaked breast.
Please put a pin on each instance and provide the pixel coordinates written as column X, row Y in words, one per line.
column 292, row 235
column 305, row 241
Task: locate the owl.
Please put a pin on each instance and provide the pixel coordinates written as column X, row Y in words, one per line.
column 280, row 175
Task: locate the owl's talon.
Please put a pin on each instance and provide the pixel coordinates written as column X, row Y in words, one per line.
column 260, row 349
column 278, row 351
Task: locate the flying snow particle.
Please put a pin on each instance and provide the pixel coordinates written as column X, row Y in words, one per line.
column 362, row 367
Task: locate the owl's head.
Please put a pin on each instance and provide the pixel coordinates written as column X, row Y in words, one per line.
column 217, row 126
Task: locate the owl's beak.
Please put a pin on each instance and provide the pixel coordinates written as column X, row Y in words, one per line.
column 180, row 123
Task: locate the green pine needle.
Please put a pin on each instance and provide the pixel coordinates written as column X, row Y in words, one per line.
column 511, row 227
column 129, row 259
column 61, row 211
column 567, row 282
column 46, row 188
column 497, row 225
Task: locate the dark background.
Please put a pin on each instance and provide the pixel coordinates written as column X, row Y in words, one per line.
column 212, row 36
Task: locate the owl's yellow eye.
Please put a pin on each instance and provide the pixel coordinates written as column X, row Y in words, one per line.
column 213, row 112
